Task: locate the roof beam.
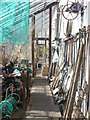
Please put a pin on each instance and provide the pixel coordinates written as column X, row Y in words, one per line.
column 41, row 39
column 45, row 8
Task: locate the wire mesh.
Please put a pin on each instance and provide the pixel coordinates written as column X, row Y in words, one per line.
column 14, row 22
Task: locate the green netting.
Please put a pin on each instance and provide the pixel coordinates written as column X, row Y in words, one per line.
column 14, row 22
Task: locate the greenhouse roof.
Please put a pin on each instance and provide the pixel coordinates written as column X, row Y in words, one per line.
column 15, row 19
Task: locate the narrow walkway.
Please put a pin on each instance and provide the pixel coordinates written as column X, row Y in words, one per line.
column 42, row 106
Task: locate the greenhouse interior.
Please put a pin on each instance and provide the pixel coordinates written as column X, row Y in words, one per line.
column 45, row 56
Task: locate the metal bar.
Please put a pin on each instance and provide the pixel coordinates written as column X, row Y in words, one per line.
column 33, row 36
column 50, row 33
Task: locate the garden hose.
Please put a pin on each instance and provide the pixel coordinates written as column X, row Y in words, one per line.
column 9, row 104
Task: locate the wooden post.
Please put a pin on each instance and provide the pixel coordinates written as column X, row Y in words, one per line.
column 57, row 21
column 3, row 52
column 23, row 81
column 88, row 60
column 45, row 50
column 50, row 33
column 88, row 69
column 88, row 72
column 33, row 37
column 36, row 51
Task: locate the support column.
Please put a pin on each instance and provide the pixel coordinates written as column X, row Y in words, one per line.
column 33, row 37
column 58, row 21
column 36, row 51
column 50, row 33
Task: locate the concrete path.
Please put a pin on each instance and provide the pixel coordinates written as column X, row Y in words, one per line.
column 41, row 105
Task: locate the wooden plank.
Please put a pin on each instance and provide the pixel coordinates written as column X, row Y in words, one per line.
column 71, row 97
column 88, row 59
column 55, row 80
column 42, row 38
column 88, row 70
